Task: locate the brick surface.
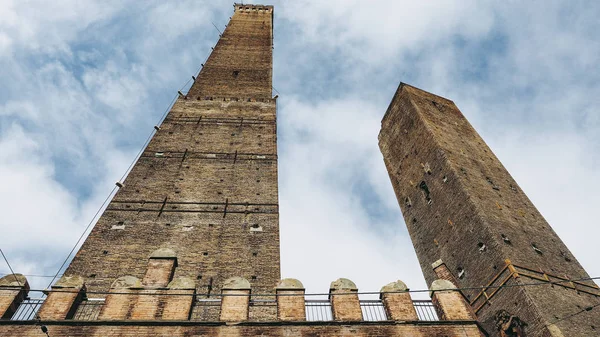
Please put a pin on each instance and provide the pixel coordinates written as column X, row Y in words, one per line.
column 234, row 308
column 345, row 330
column 291, row 305
column 206, row 185
column 463, row 207
column 159, row 272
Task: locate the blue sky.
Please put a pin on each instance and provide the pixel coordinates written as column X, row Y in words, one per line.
column 82, row 84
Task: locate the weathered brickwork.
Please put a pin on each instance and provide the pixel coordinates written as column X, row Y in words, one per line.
column 344, row 329
column 463, row 207
column 206, row 185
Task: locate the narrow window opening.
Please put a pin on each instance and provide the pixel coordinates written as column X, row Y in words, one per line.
column 461, row 272
column 536, row 249
column 491, row 182
column 482, row 247
column 505, row 239
column 92, row 275
column 105, row 252
column 445, row 179
column 236, row 73
column 426, row 193
column 255, row 254
column 205, row 253
column 199, row 277
column 407, row 202
column 253, row 277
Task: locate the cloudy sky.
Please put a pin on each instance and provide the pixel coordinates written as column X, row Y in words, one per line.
column 83, row 82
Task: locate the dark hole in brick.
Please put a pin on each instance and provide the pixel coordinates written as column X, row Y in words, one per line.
column 92, row 275
column 565, row 256
column 105, row 252
column 495, row 267
column 414, row 220
column 174, row 207
column 167, row 224
column 257, row 193
column 199, row 277
column 210, row 225
column 236, row 73
column 219, row 193
column 205, row 253
column 120, row 223
column 137, row 191
column 426, row 193
column 170, row 132
column 259, row 144
column 253, row 277
column 254, row 254
column 220, row 179
column 233, row 134
column 258, row 180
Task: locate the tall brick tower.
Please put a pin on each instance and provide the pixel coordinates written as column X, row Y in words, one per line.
column 471, row 223
column 205, row 188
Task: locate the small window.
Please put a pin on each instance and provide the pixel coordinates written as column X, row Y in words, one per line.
column 536, row 249
column 505, row 239
column 236, row 73
column 461, row 272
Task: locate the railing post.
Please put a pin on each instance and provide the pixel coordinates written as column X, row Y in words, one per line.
column 62, row 301
column 123, row 295
column 449, row 302
column 290, row 300
column 179, row 306
column 13, row 290
column 397, row 302
column 235, row 300
column 345, row 305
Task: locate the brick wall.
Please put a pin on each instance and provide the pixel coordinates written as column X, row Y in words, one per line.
column 337, row 329
column 206, row 185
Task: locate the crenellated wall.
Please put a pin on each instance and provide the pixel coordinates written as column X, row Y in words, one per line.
column 160, row 304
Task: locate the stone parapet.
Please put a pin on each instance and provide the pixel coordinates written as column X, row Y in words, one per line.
column 13, row 290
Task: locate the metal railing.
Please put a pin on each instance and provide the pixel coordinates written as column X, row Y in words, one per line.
column 373, row 310
column 206, row 309
column 88, row 310
column 318, row 310
column 28, row 309
column 425, row 310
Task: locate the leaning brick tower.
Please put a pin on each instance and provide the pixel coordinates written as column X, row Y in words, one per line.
column 471, row 224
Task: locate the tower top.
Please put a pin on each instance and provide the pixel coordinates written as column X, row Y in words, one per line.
column 252, row 8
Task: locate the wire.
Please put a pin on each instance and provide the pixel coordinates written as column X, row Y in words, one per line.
column 586, row 309
column 46, row 276
column 81, row 236
column 136, row 158
column 9, row 267
column 322, row 294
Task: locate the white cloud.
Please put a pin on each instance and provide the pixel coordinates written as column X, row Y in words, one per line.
column 83, row 83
